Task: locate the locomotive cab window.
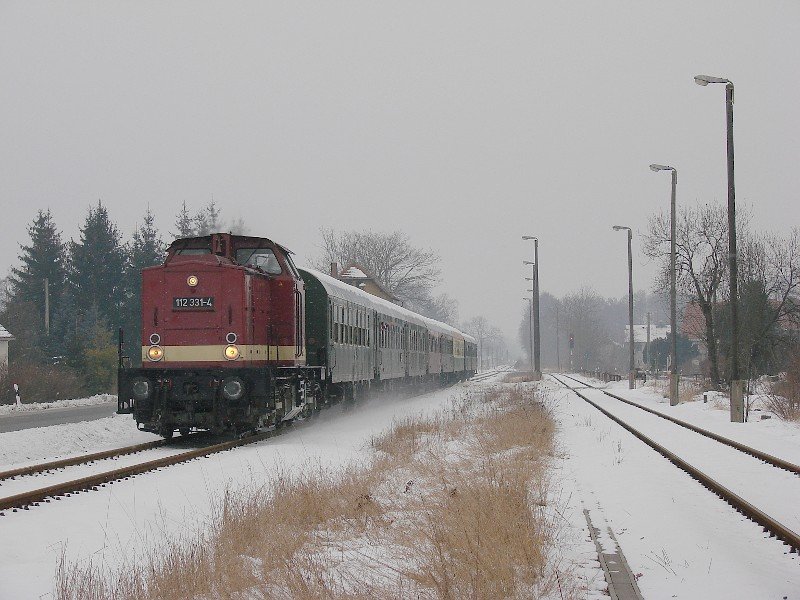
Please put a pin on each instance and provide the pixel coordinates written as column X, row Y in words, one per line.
column 193, row 251
column 262, row 258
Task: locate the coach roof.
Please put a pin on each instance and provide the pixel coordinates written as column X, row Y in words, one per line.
column 345, row 291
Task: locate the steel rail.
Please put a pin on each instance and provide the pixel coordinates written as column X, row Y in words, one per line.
column 92, row 481
column 743, row 506
column 33, row 497
column 87, row 458
column 768, row 458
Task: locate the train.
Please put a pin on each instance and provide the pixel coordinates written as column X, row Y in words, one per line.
column 235, row 338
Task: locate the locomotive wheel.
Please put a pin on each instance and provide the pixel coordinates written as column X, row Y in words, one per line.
column 184, row 431
column 166, row 432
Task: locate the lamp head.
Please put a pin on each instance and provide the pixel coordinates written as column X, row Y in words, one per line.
column 656, row 168
column 704, row 80
column 530, row 237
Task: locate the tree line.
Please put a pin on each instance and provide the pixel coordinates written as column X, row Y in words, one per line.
column 769, row 308
column 67, row 300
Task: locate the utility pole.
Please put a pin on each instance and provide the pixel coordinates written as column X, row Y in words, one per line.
column 537, row 363
column 647, row 346
column 47, row 306
column 530, row 330
column 558, row 342
column 632, row 365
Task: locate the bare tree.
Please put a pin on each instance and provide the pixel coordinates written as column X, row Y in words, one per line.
column 443, row 308
column 478, row 327
column 583, row 320
column 701, row 248
column 407, row 272
column 495, row 345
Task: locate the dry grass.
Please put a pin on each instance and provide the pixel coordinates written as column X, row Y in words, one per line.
column 687, row 388
column 520, row 377
column 449, row 508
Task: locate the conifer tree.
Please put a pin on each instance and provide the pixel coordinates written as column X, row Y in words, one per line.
column 201, row 225
column 43, row 258
column 184, row 223
column 214, row 223
column 145, row 250
column 207, row 220
column 97, row 268
column 24, row 310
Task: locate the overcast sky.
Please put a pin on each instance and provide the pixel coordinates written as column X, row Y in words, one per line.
column 464, row 124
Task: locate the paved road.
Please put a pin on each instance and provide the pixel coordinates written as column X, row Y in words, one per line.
column 56, row 416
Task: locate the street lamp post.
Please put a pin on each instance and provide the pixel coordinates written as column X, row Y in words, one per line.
column 537, row 340
column 632, row 369
column 737, row 387
column 673, row 314
column 530, row 329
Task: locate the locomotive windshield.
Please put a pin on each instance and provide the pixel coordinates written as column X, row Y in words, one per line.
column 193, row 251
column 262, row 258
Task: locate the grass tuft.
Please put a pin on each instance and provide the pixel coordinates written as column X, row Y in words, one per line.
column 451, row 506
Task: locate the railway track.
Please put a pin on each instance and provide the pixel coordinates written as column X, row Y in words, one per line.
column 92, row 482
column 752, row 512
column 88, row 458
column 28, row 498
column 767, row 458
column 486, row 375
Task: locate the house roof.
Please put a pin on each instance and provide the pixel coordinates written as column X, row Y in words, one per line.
column 5, row 335
column 354, row 272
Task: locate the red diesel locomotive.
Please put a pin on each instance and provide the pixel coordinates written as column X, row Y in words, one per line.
column 225, row 345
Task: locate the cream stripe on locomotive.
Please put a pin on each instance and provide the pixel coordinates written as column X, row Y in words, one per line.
column 216, row 353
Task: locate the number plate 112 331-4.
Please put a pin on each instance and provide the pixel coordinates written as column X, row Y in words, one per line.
column 193, row 303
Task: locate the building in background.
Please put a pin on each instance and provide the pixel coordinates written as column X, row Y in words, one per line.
column 5, row 337
column 640, row 341
column 357, row 277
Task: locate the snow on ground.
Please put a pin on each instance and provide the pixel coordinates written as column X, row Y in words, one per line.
column 776, row 437
column 7, row 409
column 136, row 515
column 18, row 448
column 680, row 539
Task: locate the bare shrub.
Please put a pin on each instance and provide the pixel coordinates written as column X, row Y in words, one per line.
column 38, row 383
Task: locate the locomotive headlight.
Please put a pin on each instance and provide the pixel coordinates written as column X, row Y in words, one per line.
column 231, row 352
column 192, row 281
column 155, row 353
column 141, row 388
column 232, row 388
